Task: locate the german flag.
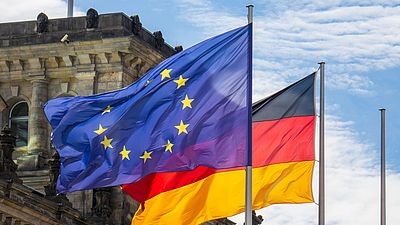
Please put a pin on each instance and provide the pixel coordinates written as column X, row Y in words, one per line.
column 283, row 161
column 283, row 145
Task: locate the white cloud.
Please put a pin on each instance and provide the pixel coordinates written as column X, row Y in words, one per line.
column 353, row 37
column 352, row 185
column 18, row 10
column 355, row 83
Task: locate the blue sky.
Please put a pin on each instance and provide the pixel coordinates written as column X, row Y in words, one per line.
column 360, row 42
column 360, row 107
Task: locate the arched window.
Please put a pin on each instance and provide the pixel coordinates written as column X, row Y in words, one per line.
column 18, row 121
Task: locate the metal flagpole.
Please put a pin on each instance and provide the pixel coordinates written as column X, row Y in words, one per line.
column 321, row 204
column 248, row 202
column 70, row 12
column 383, row 166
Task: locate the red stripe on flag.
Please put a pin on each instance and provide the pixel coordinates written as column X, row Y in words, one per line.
column 277, row 141
column 156, row 183
column 285, row 140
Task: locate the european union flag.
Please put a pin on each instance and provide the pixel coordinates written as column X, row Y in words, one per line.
column 188, row 111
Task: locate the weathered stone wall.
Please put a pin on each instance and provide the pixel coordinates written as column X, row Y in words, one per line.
column 35, row 66
column 32, row 74
column 100, row 55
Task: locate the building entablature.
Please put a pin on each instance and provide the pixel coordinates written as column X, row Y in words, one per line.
column 78, row 29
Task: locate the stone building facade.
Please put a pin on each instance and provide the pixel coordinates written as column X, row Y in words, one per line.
column 45, row 59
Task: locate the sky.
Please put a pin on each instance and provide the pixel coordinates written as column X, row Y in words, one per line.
column 358, row 40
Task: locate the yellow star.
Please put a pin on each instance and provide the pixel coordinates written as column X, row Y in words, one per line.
column 165, row 74
column 125, row 153
column 148, row 82
column 107, row 110
column 107, row 142
column 146, row 155
column 187, row 102
column 182, row 128
column 181, row 81
column 168, row 146
column 100, row 130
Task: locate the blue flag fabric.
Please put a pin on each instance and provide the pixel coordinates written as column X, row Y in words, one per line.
column 188, row 111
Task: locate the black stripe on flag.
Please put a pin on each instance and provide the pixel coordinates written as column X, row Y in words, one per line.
column 295, row 100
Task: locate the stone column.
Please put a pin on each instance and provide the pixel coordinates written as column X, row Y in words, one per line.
column 38, row 125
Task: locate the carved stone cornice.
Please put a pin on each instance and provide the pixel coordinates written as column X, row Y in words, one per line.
column 37, row 78
column 85, row 28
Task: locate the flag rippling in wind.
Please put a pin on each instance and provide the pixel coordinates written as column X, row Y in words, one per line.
column 283, row 145
column 283, row 161
column 176, row 138
column 189, row 112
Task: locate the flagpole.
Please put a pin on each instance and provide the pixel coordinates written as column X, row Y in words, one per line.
column 383, row 166
column 70, row 12
column 321, row 204
column 248, row 201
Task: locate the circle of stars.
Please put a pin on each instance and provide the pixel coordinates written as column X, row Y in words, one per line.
column 181, row 127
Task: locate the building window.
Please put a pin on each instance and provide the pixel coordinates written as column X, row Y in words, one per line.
column 19, row 123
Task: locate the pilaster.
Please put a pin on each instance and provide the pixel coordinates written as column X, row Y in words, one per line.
column 37, row 124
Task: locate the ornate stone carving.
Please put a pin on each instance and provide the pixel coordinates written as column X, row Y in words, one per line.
column 64, row 87
column 7, row 165
column 178, row 48
column 54, row 172
column 159, row 40
column 43, row 62
column 129, row 207
column 102, row 202
column 136, row 24
column 256, row 220
column 9, row 65
column 42, row 23
column 8, row 220
column 14, row 90
column 23, row 63
column 92, row 18
column 51, row 188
